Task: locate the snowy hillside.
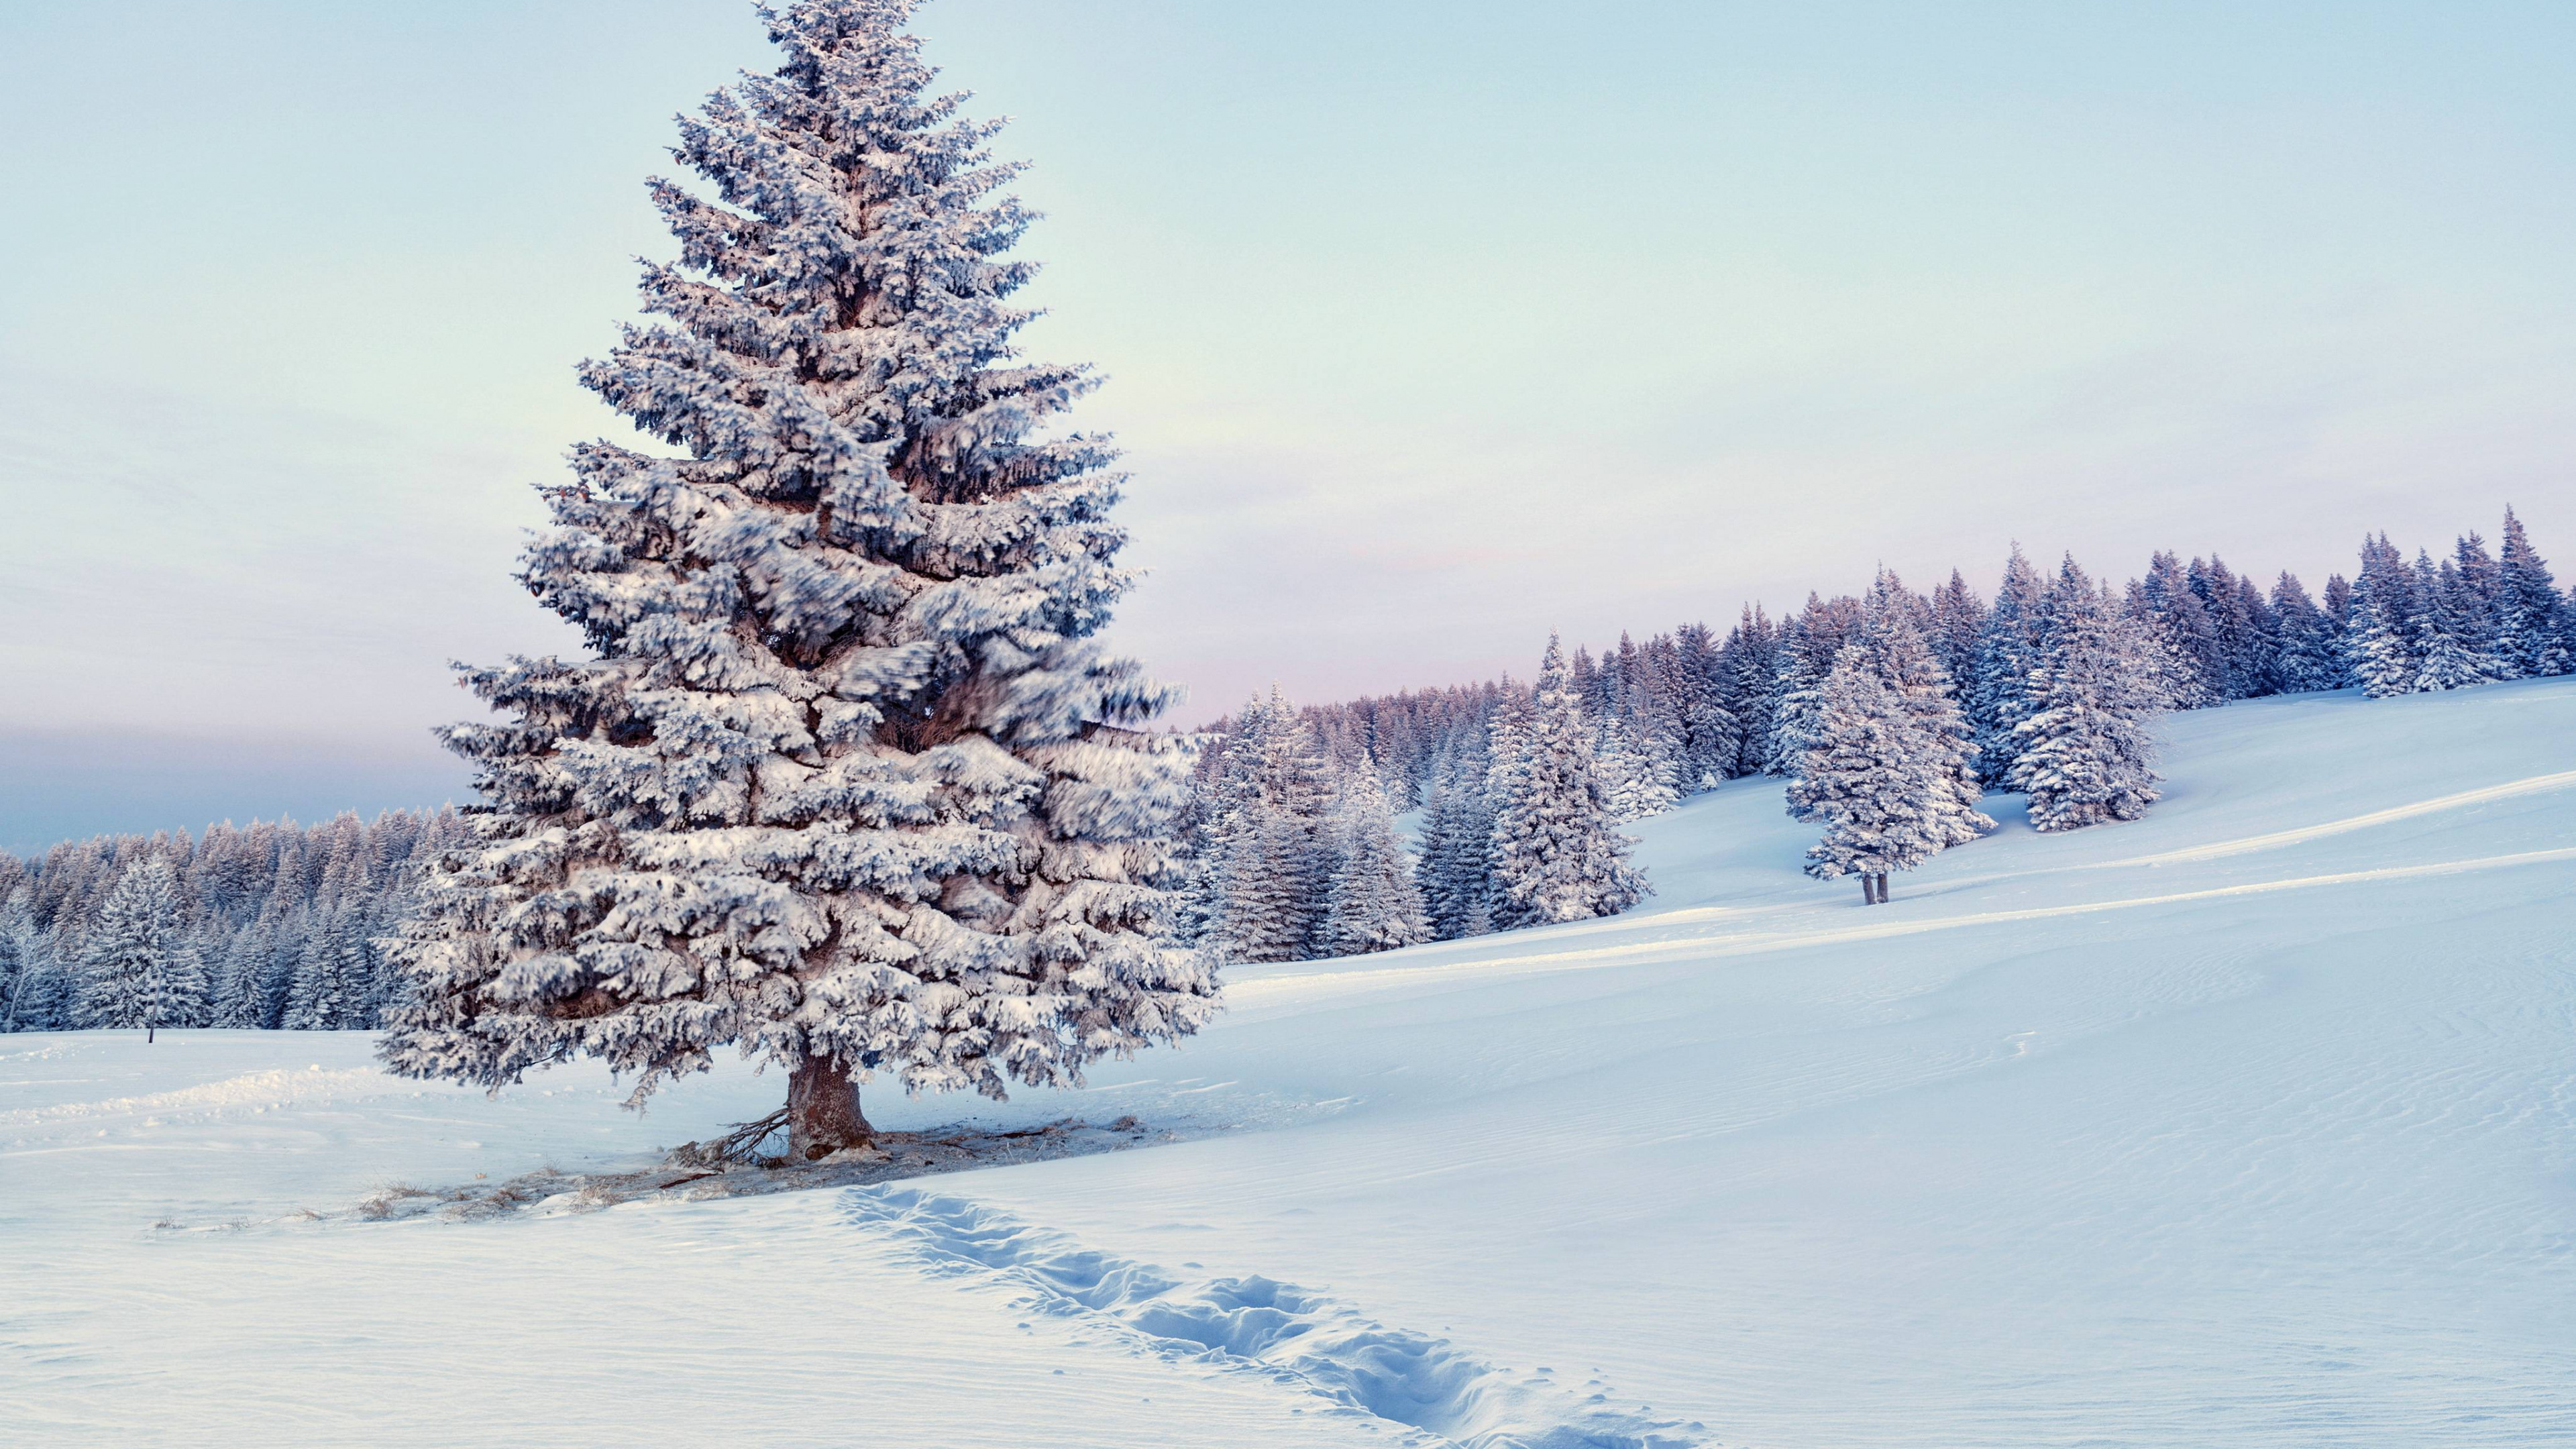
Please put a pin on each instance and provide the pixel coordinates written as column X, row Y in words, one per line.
column 2250, row 1123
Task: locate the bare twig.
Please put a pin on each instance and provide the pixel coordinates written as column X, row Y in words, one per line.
column 742, row 1144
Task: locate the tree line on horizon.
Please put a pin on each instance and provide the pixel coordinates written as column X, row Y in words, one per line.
column 2047, row 690
column 271, row 925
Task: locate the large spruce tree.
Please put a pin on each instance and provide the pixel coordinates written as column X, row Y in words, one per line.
column 842, row 780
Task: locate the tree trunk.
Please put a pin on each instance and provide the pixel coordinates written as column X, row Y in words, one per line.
column 823, row 1111
column 1868, row 892
column 1882, row 887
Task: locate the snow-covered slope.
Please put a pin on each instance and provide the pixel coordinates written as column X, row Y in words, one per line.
column 2251, row 1123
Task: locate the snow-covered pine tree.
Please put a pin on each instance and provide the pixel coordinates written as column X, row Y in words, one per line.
column 2260, row 661
column 1374, row 904
column 2450, row 622
column 1558, row 855
column 844, row 781
column 1270, row 837
column 1712, row 736
column 2530, row 635
column 1854, row 777
column 2481, row 600
column 2335, row 604
column 240, row 977
column 1907, row 665
column 1997, row 693
column 2088, row 743
column 2381, row 640
column 1808, row 645
column 1796, row 693
column 1958, row 627
column 2190, row 635
column 2307, row 656
column 2241, row 633
column 1895, row 747
column 139, row 969
column 1631, row 787
column 1748, row 662
column 1456, row 873
column 1881, row 785
column 29, row 986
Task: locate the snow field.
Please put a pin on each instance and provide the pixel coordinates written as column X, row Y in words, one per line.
column 2250, row 1123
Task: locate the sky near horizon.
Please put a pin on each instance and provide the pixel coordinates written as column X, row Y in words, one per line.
column 1430, row 327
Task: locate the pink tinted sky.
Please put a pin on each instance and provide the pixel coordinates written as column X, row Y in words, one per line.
column 1430, row 326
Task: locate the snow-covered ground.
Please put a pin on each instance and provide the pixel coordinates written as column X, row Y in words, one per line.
column 2252, row 1123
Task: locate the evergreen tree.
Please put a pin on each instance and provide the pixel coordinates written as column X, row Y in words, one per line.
column 1374, row 904
column 2530, row 634
column 1713, row 737
column 2189, row 635
column 2449, row 621
column 1456, row 873
column 1797, row 692
column 1884, row 787
column 241, row 976
column 1749, row 663
column 1957, row 631
column 1631, row 787
column 1808, row 644
column 2480, row 600
column 1270, row 837
column 2381, row 640
column 2241, row 648
column 844, row 780
column 1557, row 854
column 2335, row 604
column 31, row 988
column 140, row 970
column 1908, row 666
column 2307, row 659
column 2088, row 747
column 1997, row 695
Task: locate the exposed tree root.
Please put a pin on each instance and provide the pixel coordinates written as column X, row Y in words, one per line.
column 732, row 1166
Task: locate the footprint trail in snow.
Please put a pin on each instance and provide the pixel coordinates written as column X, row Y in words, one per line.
column 1260, row 1326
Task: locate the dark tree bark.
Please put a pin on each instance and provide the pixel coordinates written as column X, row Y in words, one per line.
column 1868, row 892
column 823, row 1111
column 1882, row 887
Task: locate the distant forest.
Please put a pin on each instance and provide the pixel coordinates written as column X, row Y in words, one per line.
column 1289, row 848
column 276, row 924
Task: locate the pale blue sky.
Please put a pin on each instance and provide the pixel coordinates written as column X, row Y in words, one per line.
column 1430, row 326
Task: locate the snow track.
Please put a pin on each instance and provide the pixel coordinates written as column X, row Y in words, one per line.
column 1669, row 945
column 1256, row 1325
column 2275, row 840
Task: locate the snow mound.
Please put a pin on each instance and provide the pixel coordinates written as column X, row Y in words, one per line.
column 251, row 1091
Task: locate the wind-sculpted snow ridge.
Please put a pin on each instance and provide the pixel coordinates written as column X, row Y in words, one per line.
column 1278, row 1330
column 252, row 1091
column 2275, row 840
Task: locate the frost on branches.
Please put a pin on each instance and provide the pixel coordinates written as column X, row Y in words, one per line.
column 143, row 972
column 2086, row 749
column 842, row 781
column 1886, row 769
column 1557, row 852
column 1373, row 903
